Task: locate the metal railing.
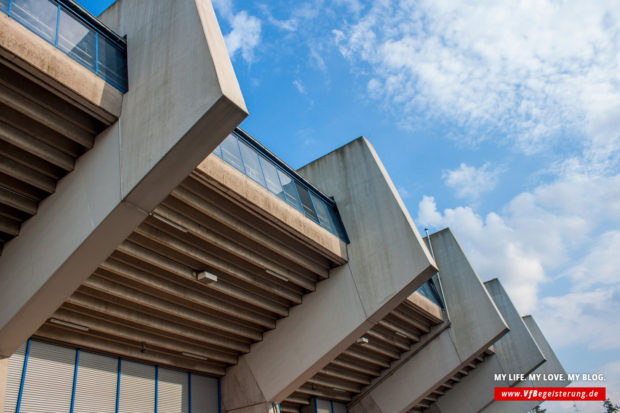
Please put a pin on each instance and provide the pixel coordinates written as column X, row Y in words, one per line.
column 76, row 32
column 250, row 157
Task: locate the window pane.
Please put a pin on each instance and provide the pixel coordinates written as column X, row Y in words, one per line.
column 38, row 15
column 112, row 63
column 218, row 150
column 306, row 202
column 250, row 160
column 271, row 176
column 76, row 39
column 333, row 213
column 321, row 212
column 290, row 193
column 230, row 152
column 4, row 5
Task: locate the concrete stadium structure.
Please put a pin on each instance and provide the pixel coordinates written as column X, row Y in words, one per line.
column 157, row 258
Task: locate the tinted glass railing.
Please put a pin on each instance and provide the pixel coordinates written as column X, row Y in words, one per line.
column 249, row 157
column 71, row 29
column 429, row 290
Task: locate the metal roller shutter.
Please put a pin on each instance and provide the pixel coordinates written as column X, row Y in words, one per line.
column 49, row 379
column 172, row 391
column 137, row 390
column 204, row 394
column 13, row 379
column 95, row 389
column 323, row 406
column 339, row 408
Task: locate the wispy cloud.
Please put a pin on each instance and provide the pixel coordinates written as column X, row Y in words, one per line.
column 300, row 87
column 245, row 34
column 470, row 182
column 536, row 71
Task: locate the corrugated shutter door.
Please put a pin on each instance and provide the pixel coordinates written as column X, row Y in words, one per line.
column 172, row 391
column 49, row 379
column 95, row 388
column 14, row 378
column 323, row 406
column 137, row 390
column 204, row 394
column 340, row 408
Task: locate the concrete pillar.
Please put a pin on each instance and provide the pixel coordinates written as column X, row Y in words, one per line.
column 551, row 366
column 516, row 352
column 183, row 100
column 387, row 262
column 4, row 372
column 475, row 323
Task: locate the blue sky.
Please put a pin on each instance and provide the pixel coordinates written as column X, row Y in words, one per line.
column 498, row 119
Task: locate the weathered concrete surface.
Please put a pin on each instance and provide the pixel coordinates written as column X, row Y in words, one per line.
column 238, row 185
column 475, row 323
column 387, row 262
column 516, row 352
column 4, row 372
column 53, row 69
column 551, row 366
column 183, row 100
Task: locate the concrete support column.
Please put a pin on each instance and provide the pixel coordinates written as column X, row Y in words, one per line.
column 183, row 100
column 4, row 372
column 514, row 353
column 475, row 323
column 387, row 262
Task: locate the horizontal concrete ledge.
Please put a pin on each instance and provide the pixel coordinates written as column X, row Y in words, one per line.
column 35, row 58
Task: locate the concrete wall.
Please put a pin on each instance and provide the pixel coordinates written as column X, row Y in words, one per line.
column 551, row 366
column 183, row 100
column 516, row 352
column 475, row 323
column 387, row 262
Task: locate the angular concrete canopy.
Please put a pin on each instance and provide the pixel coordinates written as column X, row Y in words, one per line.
column 356, row 296
column 516, row 352
column 183, row 100
column 551, row 366
column 475, row 324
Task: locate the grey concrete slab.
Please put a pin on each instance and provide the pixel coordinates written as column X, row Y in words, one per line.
column 183, row 100
column 552, row 365
column 475, row 323
column 515, row 353
column 387, row 262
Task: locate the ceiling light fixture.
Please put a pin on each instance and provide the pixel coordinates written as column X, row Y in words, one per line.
column 195, row 356
column 68, row 324
column 169, row 222
column 275, row 274
column 362, row 340
column 339, row 389
column 403, row 335
column 205, row 277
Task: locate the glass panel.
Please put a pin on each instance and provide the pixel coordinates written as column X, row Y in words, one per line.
column 252, row 166
column 112, row 63
column 38, row 15
column 306, row 201
column 218, row 151
column 271, row 176
column 290, row 193
column 230, row 152
column 321, row 211
column 428, row 291
column 76, row 39
column 4, row 5
column 333, row 213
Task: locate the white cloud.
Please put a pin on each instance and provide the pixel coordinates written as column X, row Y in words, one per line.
column 300, row 87
column 531, row 69
column 245, row 32
column 245, row 35
column 469, row 181
column 558, row 229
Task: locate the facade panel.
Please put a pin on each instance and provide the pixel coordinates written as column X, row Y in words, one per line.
column 14, row 376
column 137, row 388
column 96, row 383
column 205, row 394
column 48, row 383
column 172, row 391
